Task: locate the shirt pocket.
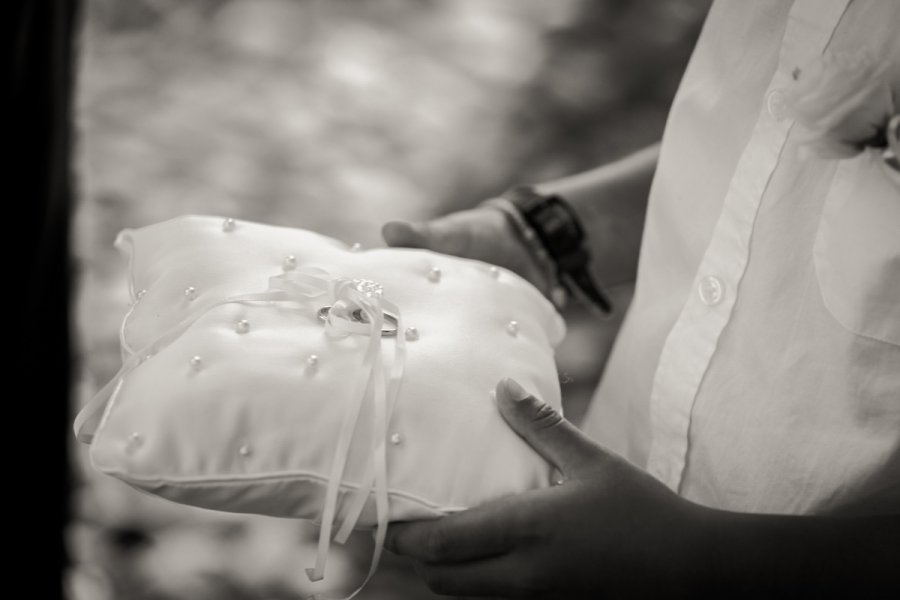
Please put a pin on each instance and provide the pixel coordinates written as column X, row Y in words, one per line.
column 857, row 248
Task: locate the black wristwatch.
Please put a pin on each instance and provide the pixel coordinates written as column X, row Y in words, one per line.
column 559, row 230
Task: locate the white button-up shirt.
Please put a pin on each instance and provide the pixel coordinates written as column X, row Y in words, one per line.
column 758, row 368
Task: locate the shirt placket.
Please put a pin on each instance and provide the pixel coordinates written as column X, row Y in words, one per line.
column 691, row 343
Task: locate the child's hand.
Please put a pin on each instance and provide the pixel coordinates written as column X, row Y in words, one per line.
column 481, row 233
column 610, row 530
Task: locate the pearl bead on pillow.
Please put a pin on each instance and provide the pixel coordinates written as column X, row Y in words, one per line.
column 264, row 365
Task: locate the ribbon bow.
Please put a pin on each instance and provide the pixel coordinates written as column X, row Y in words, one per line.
column 357, row 307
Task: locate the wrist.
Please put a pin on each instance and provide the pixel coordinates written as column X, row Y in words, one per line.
column 611, row 202
column 552, row 232
column 686, row 560
column 527, row 238
column 704, row 574
column 747, row 555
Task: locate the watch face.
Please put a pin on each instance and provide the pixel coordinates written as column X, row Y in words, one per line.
column 559, row 230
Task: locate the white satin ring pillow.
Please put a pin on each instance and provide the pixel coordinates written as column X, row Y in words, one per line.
column 239, row 381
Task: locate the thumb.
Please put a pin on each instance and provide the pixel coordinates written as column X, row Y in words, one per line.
column 547, row 431
column 405, row 234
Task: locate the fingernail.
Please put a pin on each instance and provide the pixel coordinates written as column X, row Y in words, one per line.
column 511, row 389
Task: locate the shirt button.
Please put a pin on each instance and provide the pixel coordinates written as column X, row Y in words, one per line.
column 711, row 290
column 775, row 104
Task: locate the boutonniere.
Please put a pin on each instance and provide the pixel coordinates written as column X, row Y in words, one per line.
column 844, row 103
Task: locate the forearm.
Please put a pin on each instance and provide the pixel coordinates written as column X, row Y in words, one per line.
column 750, row 555
column 611, row 201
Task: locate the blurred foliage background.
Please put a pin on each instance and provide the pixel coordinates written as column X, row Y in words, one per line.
column 335, row 116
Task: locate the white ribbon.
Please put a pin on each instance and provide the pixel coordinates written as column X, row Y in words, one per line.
column 304, row 286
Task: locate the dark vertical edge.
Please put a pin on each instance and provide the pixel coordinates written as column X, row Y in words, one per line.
column 41, row 57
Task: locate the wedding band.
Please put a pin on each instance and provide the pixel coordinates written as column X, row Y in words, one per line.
column 389, row 329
